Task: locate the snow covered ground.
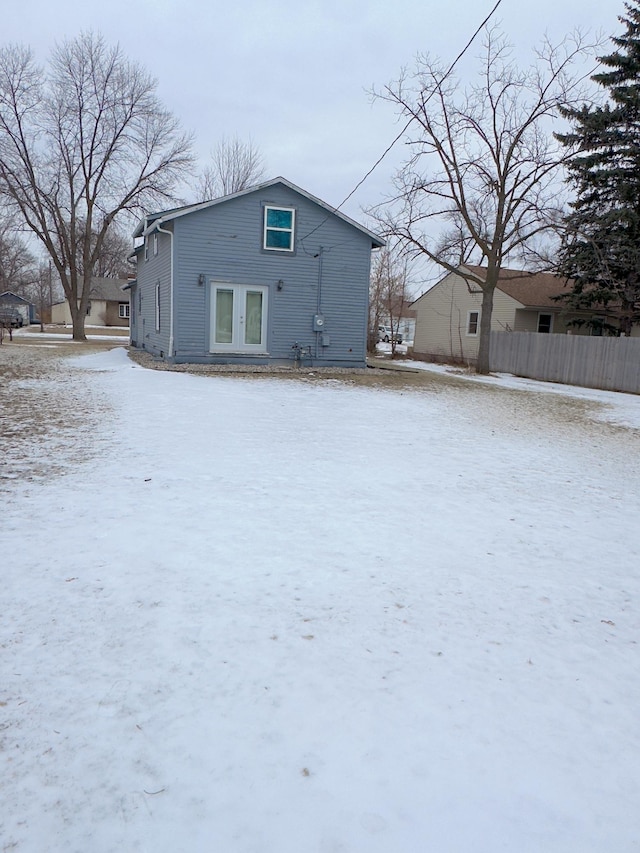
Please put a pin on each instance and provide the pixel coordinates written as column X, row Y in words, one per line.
column 273, row 615
column 116, row 334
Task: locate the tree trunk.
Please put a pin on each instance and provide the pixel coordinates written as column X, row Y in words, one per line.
column 77, row 321
column 483, row 364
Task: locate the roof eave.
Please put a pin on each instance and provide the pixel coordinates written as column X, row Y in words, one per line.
column 150, row 223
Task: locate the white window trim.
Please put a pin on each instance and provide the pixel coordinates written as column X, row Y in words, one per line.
column 545, row 314
column 158, row 307
column 239, row 295
column 155, row 244
column 146, row 248
column 473, row 334
column 124, row 310
column 290, row 231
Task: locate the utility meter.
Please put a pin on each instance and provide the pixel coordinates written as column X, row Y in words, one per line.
column 318, row 322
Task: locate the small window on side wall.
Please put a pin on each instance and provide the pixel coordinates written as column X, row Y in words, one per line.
column 545, row 323
column 279, row 225
column 472, row 322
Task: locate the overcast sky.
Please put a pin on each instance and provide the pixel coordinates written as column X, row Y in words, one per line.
column 293, row 75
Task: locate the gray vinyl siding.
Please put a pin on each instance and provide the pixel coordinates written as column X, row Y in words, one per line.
column 223, row 243
column 133, row 314
column 157, row 268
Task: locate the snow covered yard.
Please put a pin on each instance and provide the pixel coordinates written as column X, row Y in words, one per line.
column 265, row 615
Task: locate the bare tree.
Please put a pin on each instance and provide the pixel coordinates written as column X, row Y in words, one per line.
column 113, row 259
column 115, row 249
column 40, row 293
column 17, row 263
column 387, row 294
column 235, row 166
column 482, row 183
column 80, row 145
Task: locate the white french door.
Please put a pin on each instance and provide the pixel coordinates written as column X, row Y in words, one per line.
column 238, row 318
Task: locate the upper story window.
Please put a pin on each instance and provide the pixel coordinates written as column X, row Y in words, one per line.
column 155, row 243
column 279, row 224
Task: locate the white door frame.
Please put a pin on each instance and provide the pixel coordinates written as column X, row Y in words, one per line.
column 238, row 323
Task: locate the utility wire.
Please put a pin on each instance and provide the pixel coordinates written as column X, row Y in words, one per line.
column 426, row 101
column 412, row 119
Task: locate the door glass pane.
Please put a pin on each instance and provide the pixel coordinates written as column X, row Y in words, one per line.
column 253, row 315
column 224, row 316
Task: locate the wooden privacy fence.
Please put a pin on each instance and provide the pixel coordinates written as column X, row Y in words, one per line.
column 612, row 364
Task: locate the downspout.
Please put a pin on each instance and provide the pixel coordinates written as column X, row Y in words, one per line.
column 158, row 227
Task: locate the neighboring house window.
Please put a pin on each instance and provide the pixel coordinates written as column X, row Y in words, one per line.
column 545, row 323
column 123, row 310
column 88, row 308
column 158, row 307
column 279, row 224
column 155, row 244
column 472, row 322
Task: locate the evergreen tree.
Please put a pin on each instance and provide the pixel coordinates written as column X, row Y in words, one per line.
column 601, row 246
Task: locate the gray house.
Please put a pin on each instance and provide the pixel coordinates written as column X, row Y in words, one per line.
column 267, row 275
column 16, row 309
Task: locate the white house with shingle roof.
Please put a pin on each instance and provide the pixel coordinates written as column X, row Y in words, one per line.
column 448, row 315
column 108, row 306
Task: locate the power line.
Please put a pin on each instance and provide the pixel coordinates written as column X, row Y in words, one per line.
column 431, row 94
column 412, row 119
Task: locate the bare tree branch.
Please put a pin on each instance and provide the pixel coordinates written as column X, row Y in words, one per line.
column 80, row 145
column 234, row 166
column 483, row 179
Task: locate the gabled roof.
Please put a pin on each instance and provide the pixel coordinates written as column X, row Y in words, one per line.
column 109, row 289
column 10, row 296
column 147, row 224
column 531, row 289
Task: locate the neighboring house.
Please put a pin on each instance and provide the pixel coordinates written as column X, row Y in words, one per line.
column 407, row 325
column 16, row 305
column 108, row 304
column 448, row 315
column 267, row 275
